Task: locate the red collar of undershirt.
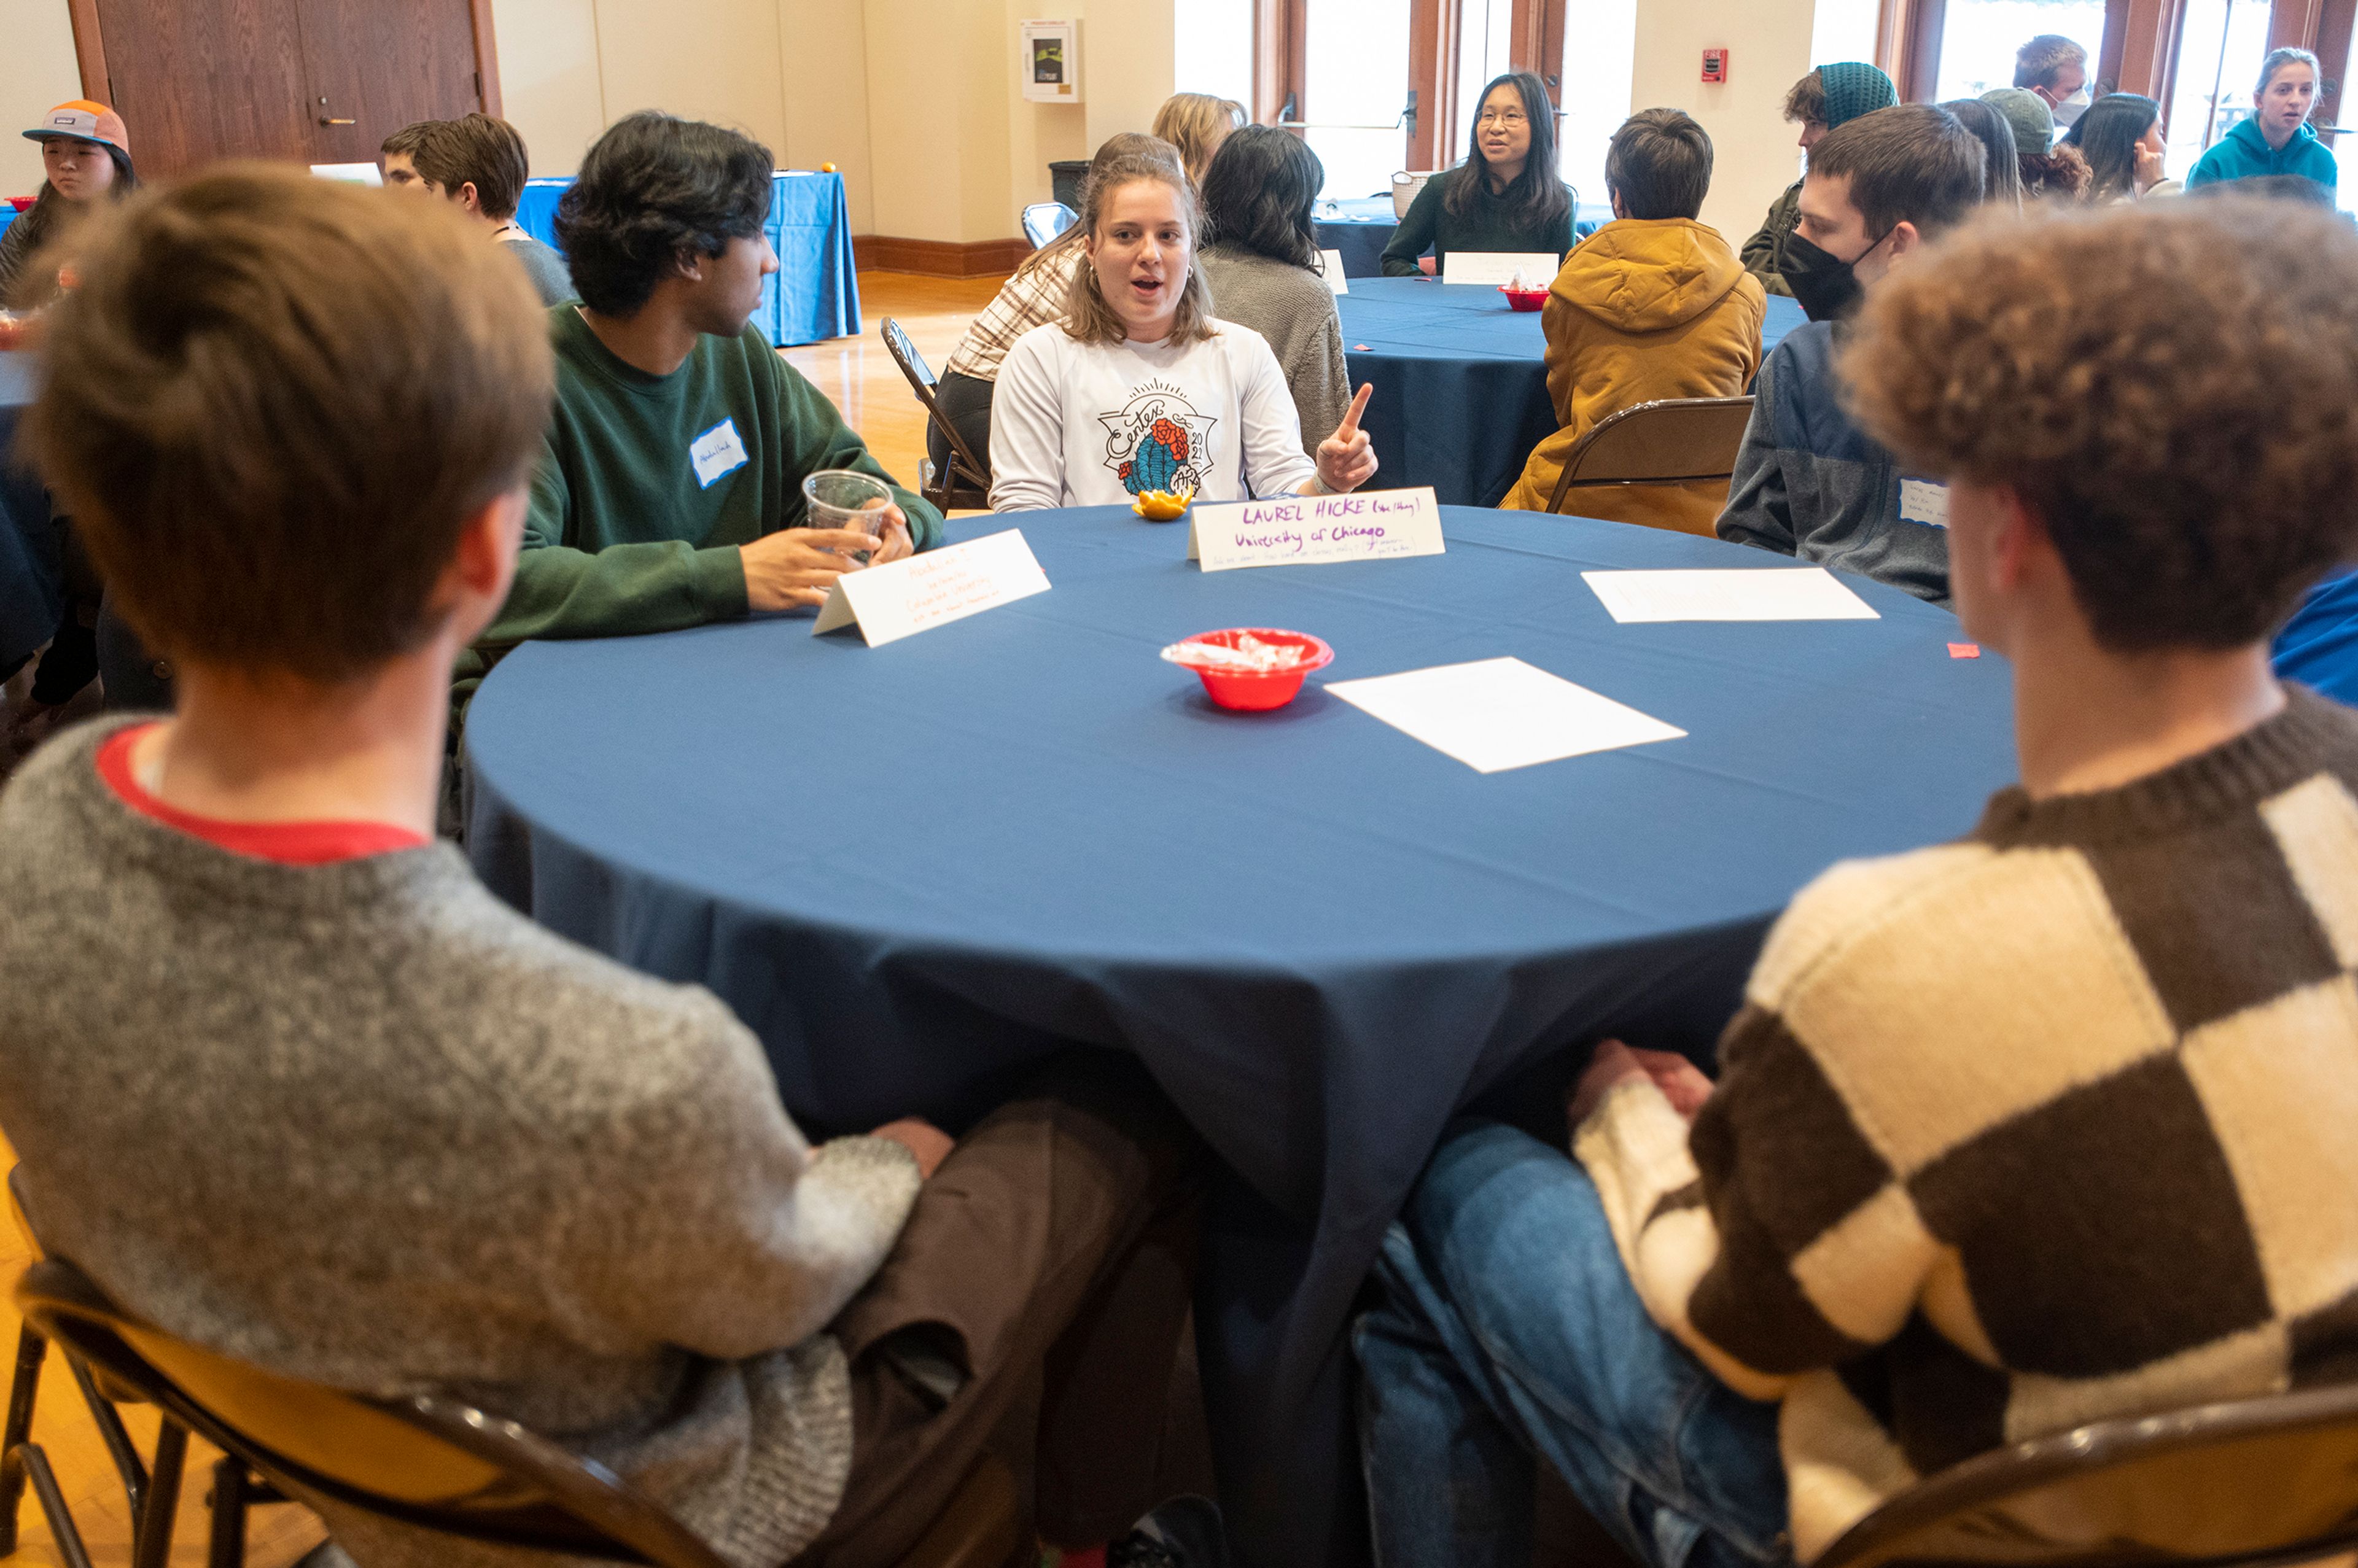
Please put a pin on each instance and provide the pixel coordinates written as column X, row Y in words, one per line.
column 286, row 843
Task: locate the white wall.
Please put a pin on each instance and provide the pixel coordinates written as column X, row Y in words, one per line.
column 37, row 73
column 549, row 86
column 1755, row 155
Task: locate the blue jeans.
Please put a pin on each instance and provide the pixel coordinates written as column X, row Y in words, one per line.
column 1509, row 1334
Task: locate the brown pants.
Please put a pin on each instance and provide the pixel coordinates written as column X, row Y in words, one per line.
column 1043, row 1281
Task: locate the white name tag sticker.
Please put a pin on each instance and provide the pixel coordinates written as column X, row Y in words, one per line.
column 918, row 593
column 716, row 452
column 1924, row 500
column 1330, row 267
column 1314, row 530
column 1495, row 267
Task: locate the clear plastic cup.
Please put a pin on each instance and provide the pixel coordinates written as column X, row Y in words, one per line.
column 846, row 498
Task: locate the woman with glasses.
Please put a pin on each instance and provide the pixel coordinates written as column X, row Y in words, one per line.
column 1505, row 196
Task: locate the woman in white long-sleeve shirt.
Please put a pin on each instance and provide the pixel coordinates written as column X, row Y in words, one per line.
column 1140, row 388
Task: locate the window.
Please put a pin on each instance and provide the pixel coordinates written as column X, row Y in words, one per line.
column 1596, row 69
column 1483, row 47
column 1355, row 88
column 1213, row 49
column 1979, row 38
column 2219, row 56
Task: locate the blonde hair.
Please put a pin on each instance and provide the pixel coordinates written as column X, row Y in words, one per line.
column 1196, row 123
column 1088, row 318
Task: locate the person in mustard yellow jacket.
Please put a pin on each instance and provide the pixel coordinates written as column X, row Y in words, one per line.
column 1652, row 305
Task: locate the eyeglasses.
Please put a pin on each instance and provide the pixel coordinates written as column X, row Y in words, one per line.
column 1500, row 117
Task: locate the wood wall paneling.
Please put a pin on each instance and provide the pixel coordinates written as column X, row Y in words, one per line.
column 938, row 258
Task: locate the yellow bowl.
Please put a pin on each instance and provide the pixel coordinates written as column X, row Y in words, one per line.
column 1161, row 505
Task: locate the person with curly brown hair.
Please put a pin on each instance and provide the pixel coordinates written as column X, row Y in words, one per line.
column 2050, row 171
column 2044, row 1126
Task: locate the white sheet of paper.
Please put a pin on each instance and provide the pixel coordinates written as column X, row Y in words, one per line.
column 350, row 173
column 1924, row 500
column 919, row 593
column 1746, row 593
column 1494, row 268
column 1314, row 530
column 1496, row 714
column 1330, row 267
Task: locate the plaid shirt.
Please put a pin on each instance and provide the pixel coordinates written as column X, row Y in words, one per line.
column 1028, row 299
column 2045, row 1127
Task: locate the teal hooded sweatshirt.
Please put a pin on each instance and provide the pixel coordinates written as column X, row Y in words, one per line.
column 2242, row 153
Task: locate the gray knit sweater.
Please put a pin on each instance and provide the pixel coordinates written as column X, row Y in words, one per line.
column 363, row 1124
column 1294, row 309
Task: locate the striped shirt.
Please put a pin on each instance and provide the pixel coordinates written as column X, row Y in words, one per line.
column 1029, row 299
column 2045, row 1127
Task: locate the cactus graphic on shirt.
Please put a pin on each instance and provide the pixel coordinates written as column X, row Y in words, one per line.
column 1158, row 441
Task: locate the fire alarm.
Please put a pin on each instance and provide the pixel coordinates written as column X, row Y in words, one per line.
column 1715, row 65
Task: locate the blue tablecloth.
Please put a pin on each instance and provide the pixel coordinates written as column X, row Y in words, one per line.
column 31, row 592
column 1461, row 381
column 1362, row 228
column 1321, row 936
column 815, row 294
column 7, row 216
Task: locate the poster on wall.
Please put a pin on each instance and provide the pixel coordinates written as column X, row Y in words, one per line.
column 1051, row 62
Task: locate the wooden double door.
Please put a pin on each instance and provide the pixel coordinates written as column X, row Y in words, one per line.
column 310, row 81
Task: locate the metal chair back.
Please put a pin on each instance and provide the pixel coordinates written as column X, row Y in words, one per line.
column 965, row 479
column 418, row 1460
column 1672, row 440
column 1044, row 221
column 2250, row 1483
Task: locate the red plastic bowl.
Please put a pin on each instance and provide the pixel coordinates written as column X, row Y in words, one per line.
column 22, row 203
column 1252, row 691
column 1524, row 298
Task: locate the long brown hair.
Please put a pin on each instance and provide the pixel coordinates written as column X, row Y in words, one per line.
column 1088, row 318
column 1196, row 123
column 1536, row 196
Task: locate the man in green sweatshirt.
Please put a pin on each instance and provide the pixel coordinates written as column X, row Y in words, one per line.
column 669, row 489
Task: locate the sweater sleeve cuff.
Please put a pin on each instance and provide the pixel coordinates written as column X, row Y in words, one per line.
column 717, row 579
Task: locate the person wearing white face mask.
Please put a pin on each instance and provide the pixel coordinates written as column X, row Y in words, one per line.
column 2055, row 67
column 1140, row 388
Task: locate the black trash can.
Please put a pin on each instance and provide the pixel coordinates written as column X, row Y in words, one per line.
column 1065, row 177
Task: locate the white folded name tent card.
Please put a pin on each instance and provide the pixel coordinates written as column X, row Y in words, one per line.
column 1305, row 530
column 1330, row 267
column 1495, row 267
column 919, row 593
column 1496, row 714
column 1742, row 593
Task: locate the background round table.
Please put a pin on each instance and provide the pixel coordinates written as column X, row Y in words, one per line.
column 32, row 585
column 1461, row 381
column 912, row 869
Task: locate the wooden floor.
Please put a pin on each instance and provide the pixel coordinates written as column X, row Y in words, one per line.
column 859, row 375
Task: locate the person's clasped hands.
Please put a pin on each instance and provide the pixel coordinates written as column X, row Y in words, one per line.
column 796, row 567
column 1681, row 1083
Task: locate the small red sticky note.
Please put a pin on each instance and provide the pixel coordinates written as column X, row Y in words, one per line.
column 1964, row 650
column 1359, row 348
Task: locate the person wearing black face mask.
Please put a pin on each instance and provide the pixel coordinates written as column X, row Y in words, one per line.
column 1807, row 481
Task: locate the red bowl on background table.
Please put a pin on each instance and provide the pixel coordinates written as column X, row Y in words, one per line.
column 1524, row 298
column 1254, row 691
column 22, row 203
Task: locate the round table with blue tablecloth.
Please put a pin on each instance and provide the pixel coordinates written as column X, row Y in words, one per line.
column 1461, row 392
column 32, row 587
column 814, row 295
column 913, row 868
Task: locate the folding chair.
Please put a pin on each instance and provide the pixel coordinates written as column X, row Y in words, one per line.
column 965, row 479
column 1672, row 440
column 419, row 1460
column 153, row 1492
column 1044, row 221
column 2250, row 1483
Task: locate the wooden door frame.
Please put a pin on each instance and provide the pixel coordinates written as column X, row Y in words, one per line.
column 90, row 52
column 1281, row 35
column 1433, row 29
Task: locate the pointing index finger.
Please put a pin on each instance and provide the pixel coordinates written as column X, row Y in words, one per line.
column 1350, row 425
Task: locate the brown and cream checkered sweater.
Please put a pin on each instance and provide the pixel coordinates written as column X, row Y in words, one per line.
column 2049, row 1125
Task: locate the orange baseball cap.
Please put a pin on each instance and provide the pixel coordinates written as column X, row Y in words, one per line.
column 85, row 122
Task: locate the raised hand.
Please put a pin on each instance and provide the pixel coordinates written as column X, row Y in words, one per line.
column 1346, row 460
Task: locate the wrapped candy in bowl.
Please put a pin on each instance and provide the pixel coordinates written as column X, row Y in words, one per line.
column 1251, row 667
